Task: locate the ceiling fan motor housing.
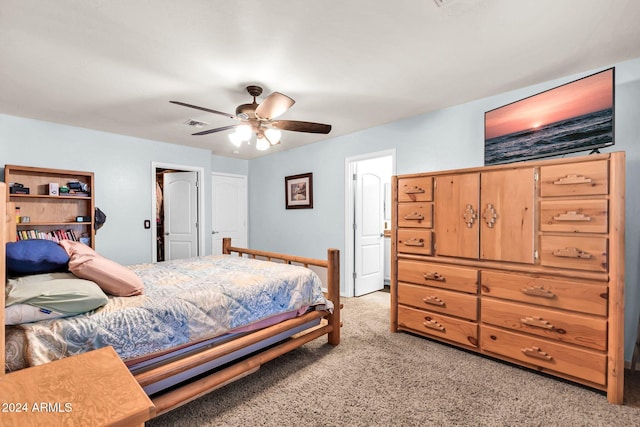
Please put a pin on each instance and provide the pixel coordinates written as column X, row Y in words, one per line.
column 250, row 109
column 247, row 109
column 254, row 91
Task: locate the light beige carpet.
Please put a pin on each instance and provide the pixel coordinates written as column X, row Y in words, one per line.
column 378, row 378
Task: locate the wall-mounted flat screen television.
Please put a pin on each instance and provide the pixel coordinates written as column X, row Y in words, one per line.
column 577, row 116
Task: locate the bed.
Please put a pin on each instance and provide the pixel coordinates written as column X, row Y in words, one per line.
column 191, row 344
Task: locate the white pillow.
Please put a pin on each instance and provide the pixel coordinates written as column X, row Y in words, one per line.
column 25, row 313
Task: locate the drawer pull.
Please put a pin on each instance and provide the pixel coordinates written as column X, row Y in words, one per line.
column 414, row 242
column 433, row 300
column 537, row 322
column 536, row 353
column 572, row 216
column 432, row 324
column 414, row 190
column 538, row 291
column 470, row 216
column 414, row 216
column 434, row 276
column 490, row 215
column 573, row 179
column 572, row 253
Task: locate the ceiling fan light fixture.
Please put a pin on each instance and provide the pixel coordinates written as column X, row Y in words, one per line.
column 262, row 144
column 257, row 118
column 244, row 132
column 235, row 139
column 273, row 136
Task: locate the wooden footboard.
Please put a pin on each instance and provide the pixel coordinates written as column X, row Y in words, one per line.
column 332, row 264
column 180, row 395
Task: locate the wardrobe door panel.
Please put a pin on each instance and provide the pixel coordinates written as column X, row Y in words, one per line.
column 456, row 215
column 507, row 215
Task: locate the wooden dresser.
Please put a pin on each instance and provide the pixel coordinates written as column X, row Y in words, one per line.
column 522, row 262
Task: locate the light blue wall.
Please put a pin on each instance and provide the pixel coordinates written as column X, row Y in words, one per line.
column 446, row 139
column 122, row 169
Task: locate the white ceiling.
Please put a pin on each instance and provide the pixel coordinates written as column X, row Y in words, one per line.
column 113, row 65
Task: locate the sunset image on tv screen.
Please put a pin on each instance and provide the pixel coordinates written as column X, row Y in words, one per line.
column 573, row 117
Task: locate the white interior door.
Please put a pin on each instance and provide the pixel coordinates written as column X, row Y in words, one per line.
column 228, row 210
column 180, row 215
column 368, row 229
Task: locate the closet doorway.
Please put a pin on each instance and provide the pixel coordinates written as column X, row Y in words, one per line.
column 177, row 201
column 367, row 261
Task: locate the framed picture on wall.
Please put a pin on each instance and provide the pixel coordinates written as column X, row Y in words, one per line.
column 299, row 191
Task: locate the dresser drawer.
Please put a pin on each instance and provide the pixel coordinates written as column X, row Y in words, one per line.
column 415, row 241
column 448, row 328
column 561, row 326
column 574, row 179
column 574, row 216
column 418, row 189
column 575, row 252
column 438, row 275
column 418, row 214
column 556, row 293
column 545, row 355
column 439, row 300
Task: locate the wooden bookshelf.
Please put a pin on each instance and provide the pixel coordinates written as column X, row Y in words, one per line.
column 51, row 214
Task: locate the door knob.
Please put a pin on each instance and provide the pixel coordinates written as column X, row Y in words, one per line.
column 214, row 232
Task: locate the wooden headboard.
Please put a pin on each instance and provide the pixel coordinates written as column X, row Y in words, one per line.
column 8, row 234
column 5, row 238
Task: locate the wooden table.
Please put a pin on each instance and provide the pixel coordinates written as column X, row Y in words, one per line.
column 91, row 389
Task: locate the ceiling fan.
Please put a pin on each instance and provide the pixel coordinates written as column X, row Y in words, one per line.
column 260, row 119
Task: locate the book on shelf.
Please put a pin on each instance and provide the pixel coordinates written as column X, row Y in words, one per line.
column 54, row 235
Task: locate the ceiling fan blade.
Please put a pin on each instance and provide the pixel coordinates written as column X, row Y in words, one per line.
column 231, row 116
column 298, row 126
column 207, row 132
column 273, row 105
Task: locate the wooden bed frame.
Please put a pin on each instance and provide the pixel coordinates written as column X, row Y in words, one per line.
column 184, row 376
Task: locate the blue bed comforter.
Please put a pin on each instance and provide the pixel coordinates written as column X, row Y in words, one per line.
column 184, row 301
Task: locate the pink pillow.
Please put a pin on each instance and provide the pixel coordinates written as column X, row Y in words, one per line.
column 112, row 277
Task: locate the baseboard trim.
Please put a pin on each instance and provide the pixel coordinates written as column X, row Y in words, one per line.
column 627, row 365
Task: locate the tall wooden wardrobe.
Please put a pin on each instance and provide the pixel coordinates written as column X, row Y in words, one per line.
column 521, row 262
